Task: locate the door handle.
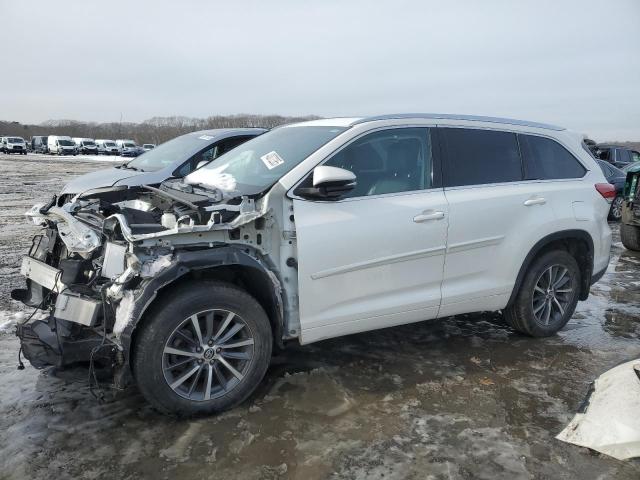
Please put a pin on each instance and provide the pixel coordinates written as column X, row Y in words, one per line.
column 535, row 201
column 428, row 215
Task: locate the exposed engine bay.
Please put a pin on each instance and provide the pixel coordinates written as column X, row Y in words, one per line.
column 104, row 256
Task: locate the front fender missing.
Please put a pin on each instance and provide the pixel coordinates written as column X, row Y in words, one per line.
column 135, row 303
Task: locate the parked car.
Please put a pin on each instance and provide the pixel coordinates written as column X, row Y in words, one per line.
column 126, row 148
column 173, row 159
column 630, row 222
column 615, row 177
column 14, row 145
column 616, row 155
column 107, row 147
column 629, row 166
column 61, row 145
column 39, row 144
column 86, row 146
column 148, row 146
column 311, row 231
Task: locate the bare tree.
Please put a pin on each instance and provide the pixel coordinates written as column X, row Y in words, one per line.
column 155, row 130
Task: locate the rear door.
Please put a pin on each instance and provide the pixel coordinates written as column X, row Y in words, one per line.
column 495, row 215
column 374, row 258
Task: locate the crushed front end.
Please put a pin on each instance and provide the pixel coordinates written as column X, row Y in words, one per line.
column 102, row 257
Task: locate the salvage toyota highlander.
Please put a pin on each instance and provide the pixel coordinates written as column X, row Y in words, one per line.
column 311, row 231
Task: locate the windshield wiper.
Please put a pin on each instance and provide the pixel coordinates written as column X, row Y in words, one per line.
column 129, row 167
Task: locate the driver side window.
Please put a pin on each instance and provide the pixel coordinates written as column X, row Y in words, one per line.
column 388, row 161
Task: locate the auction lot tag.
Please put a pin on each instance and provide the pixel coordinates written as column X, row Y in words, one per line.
column 205, row 137
column 272, row 160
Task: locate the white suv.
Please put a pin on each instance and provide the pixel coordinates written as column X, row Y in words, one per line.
column 316, row 230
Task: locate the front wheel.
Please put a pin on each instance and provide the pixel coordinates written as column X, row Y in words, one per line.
column 548, row 295
column 202, row 351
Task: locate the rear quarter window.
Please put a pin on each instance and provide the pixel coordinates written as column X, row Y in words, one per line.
column 546, row 159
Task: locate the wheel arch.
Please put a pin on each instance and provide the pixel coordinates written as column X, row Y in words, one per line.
column 577, row 242
column 237, row 266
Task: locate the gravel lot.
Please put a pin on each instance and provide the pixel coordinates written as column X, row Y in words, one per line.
column 459, row 398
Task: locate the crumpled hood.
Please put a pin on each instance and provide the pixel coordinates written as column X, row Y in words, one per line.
column 99, row 179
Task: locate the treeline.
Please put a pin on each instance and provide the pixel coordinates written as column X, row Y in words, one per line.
column 155, row 130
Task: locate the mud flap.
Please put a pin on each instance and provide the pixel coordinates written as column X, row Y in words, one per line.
column 610, row 423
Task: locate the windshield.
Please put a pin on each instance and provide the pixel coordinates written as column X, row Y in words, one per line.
column 88, row 143
column 257, row 164
column 109, row 144
column 172, row 153
column 15, row 140
column 66, row 143
column 130, row 145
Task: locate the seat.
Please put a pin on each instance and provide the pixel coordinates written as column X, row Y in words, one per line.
column 403, row 174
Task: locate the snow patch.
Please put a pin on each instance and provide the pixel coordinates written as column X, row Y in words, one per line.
column 9, row 319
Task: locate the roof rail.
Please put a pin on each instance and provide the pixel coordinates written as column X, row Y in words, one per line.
column 449, row 116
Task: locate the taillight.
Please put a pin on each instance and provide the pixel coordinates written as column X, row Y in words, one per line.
column 607, row 191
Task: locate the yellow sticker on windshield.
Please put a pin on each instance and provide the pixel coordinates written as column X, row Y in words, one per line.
column 272, row 160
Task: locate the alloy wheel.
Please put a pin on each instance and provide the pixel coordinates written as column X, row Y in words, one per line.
column 616, row 208
column 552, row 294
column 208, row 355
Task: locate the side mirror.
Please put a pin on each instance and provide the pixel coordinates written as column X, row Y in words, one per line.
column 329, row 183
column 201, row 163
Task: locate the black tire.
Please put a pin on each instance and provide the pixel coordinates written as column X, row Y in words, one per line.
column 630, row 236
column 520, row 315
column 167, row 318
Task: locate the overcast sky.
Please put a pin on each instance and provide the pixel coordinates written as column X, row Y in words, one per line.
column 573, row 63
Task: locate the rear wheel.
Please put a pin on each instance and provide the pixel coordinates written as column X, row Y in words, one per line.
column 630, row 236
column 548, row 295
column 203, row 351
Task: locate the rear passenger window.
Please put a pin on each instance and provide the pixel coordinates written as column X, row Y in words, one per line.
column 476, row 157
column 546, row 159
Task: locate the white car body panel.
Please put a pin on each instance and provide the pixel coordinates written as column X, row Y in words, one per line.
column 490, row 233
column 365, row 262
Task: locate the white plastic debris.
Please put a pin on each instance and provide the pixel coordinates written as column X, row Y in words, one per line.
column 611, row 422
column 124, row 313
column 151, row 269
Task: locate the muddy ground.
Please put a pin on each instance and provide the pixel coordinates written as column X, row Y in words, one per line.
column 459, row 398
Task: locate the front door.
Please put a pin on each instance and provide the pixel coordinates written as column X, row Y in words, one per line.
column 375, row 257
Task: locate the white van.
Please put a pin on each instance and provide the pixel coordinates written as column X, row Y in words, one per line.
column 86, row 145
column 106, row 147
column 61, row 145
column 13, row 145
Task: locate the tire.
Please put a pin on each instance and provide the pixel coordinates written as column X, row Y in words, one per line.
column 528, row 313
column 615, row 213
column 630, row 236
column 171, row 326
